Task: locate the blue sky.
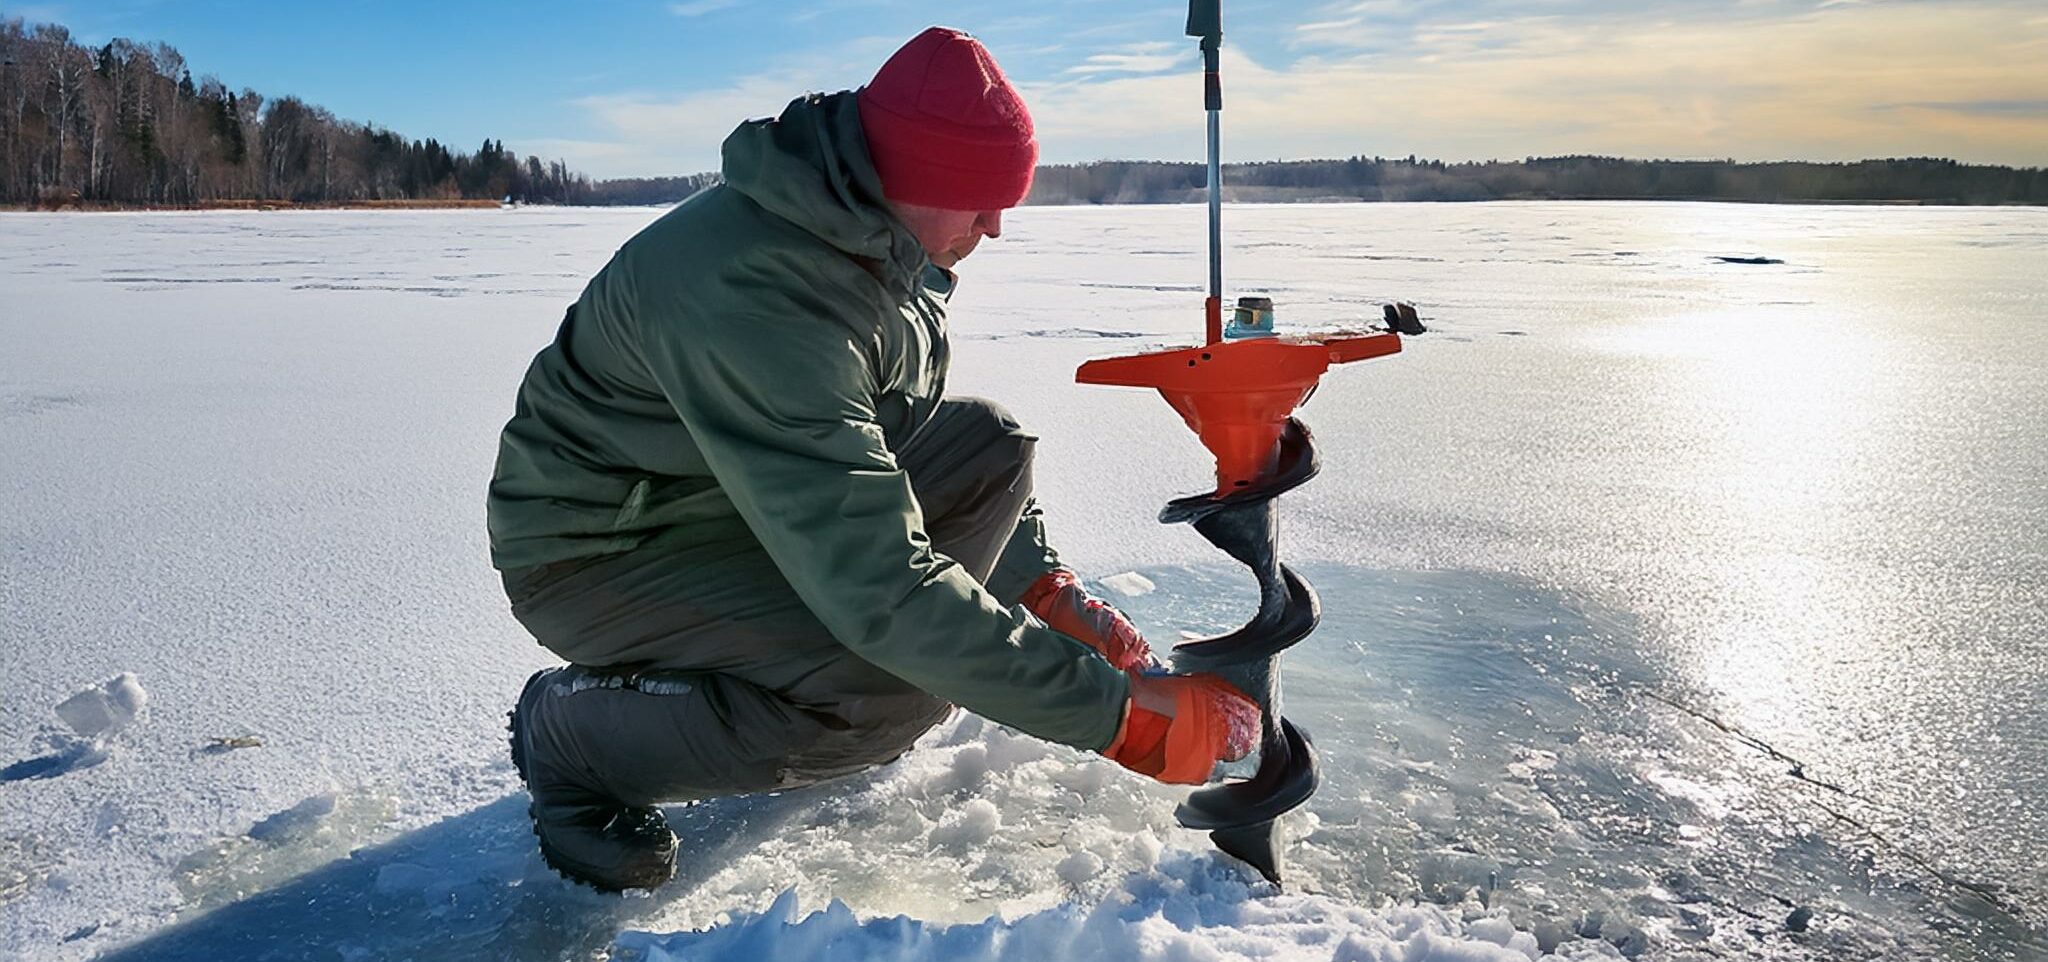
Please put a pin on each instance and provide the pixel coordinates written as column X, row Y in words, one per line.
column 648, row 88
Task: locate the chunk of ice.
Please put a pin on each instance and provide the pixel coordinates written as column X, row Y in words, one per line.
column 968, row 826
column 1130, row 584
column 104, row 709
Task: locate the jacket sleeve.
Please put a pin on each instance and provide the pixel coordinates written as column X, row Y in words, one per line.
column 783, row 410
column 1027, row 556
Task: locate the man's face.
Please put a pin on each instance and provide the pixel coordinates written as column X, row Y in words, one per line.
column 949, row 235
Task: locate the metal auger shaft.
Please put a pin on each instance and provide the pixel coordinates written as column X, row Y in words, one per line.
column 1239, row 814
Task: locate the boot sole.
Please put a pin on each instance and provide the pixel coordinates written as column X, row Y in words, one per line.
column 562, row 865
column 656, row 874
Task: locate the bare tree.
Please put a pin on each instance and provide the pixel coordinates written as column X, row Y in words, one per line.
column 65, row 68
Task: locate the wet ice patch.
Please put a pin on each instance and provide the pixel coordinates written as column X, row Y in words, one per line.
column 1471, row 768
column 283, row 845
column 294, row 822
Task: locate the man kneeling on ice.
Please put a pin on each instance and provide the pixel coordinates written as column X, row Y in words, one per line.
column 734, row 500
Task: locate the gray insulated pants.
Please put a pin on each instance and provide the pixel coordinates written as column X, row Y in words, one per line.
column 744, row 689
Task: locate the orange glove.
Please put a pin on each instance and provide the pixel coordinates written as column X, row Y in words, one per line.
column 1177, row 727
column 1058, row 599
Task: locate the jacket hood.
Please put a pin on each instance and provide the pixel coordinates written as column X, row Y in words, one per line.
column 811, row 167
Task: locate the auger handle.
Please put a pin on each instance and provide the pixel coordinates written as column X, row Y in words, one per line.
column 1205, row 20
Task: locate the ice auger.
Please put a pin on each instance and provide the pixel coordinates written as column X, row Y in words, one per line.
column 1238, row 391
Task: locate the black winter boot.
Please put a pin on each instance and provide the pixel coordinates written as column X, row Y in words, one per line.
column 585, row 834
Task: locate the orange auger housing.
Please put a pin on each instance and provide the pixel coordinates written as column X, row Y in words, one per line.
column 1238, row 395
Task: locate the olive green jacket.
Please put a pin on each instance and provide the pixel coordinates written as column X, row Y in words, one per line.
column 750, row 359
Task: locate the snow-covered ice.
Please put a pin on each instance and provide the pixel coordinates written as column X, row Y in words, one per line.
column 1668, row 602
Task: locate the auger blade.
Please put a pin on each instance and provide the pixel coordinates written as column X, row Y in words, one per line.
column 1298, row 464
column 1286, row 778
column 1276, row 628
column 1252, row 846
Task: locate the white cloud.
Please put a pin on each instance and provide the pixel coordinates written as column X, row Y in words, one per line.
column 1385, row 9
column 823, row 8
column 1848, row 82
column 651, row 134
column 1324, row 26
column 698, row 8
column 1150, row 57
column 1817, row 86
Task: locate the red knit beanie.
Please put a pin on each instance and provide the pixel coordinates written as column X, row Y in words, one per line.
column 946, row 129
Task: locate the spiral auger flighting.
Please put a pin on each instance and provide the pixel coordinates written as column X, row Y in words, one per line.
column 1239, row 815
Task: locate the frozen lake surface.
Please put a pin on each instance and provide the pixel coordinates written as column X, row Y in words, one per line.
column 1675, row 608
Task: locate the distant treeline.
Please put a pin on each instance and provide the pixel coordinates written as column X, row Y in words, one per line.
column 1921, row 180
column 628, row 191
column 1911, row 180
column 125, row 124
